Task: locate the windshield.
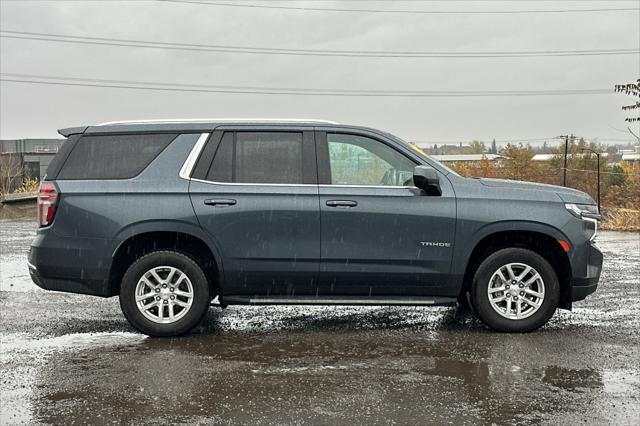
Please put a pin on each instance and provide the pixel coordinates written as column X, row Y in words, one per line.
column 422, row 154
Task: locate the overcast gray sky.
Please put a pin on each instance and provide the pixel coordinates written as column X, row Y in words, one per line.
column 35, row 110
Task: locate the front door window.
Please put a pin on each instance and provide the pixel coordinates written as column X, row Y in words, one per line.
column 358, row 160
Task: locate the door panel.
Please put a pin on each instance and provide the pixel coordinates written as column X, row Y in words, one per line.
column 376, row 247
column 268, row 234
column 269, row 238
column 379, row 238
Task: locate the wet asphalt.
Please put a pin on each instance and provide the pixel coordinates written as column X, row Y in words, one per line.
column 70, row 359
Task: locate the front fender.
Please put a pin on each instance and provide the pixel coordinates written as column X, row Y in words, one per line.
column 465, row 244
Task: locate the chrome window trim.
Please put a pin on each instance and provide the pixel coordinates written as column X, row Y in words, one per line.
column 367, row 186
column 212, row 182
column 190, row 162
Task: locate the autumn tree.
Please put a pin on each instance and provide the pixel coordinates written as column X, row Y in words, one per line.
column 476, row 147
column 518, row 163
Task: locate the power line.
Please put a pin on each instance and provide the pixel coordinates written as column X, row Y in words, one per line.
column 455, row 142
column 316, row 1
column 538, row 139
column 396, row 11
column 62, row 38
column 501, row 141
column 181, row 87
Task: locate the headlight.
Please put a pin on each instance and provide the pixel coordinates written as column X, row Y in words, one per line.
column 584, row 210
column 589, row 214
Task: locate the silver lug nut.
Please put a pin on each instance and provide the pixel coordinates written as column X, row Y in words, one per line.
column 521, row 285
column 508, row 295
column 157, row 297
column 164, row 286
column 515, row 297
column 157, row 290
column 513, row 282
column 522, row 293
column 172, row 289
column 165, row 302
column 173, row 297
column 508, row 287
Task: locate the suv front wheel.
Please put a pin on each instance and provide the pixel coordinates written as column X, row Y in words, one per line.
column 515, row 290
column 164, row 293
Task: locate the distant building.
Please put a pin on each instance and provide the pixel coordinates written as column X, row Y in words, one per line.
column 543, row 157
column 30, row 156
column 548, row 157
column 454, row 158
column 631, row 156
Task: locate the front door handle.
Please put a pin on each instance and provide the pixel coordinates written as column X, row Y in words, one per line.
column 220, row 202
column 342, row 203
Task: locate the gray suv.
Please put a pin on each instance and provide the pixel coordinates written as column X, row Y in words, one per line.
column 172, row 215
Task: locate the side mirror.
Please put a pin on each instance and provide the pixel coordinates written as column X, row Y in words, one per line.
column 426, row 178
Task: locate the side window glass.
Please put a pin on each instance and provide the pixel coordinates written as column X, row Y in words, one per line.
column 258, row 157
column 113, row 156
column 358, row 160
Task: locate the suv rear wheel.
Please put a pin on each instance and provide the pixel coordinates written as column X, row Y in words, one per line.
column 515, row 290
column 164, row 293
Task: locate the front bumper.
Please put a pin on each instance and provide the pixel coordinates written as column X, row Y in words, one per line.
column 582, row 286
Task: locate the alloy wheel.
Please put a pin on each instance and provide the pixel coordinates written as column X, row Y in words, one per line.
column 516, row 291
column 164, row 294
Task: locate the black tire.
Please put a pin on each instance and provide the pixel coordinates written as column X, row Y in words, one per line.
column 200, row 302
column 481, row 282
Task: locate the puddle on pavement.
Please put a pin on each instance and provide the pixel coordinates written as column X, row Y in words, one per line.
column 121, row 376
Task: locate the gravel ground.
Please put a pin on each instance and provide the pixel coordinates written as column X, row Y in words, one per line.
column 70, row 359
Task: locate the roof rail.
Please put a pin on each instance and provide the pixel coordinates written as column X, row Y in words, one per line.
column 219, row 120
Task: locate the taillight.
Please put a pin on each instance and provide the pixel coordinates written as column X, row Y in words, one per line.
column 47, row 201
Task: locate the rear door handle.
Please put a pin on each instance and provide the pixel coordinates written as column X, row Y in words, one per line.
column 342, row 203
column 220, row 202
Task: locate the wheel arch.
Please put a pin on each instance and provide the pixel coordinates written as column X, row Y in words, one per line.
column 141, row 238
column 540, row 238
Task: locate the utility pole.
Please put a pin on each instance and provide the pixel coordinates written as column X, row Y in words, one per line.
column 564, row 169
column 598, row 166
column 566, row 153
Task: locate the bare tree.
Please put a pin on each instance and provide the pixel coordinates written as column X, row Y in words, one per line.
column 11, row 170
column 633, row 90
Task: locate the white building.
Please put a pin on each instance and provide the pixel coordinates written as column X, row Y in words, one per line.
column 631, row 156
column 453, row 158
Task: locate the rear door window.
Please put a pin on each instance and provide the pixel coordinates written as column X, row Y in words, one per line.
column 113, row 156
column 261, row 157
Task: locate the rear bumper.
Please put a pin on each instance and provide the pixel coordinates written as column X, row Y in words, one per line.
column 95, row 288
column 583, row 286
column 70, row 265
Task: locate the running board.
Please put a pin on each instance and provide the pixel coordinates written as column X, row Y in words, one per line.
column 340, row 300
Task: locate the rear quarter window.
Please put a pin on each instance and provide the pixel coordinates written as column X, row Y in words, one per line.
column 113, row 156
